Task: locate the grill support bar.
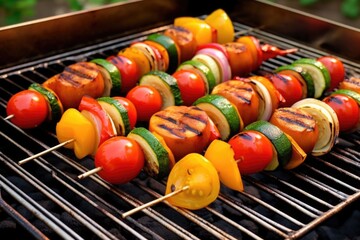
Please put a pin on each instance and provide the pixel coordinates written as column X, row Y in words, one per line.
column 351, row 199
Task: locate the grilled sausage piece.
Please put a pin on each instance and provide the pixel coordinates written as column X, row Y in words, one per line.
column 299, row 124
column 77, row 80
column 184, row 129
column 243, row 96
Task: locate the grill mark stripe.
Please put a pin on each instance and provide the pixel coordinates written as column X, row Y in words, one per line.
column 81, row 72
column 170, row 130
column 295, row 114
column 195, row 117
column 70, row 78
column 296, row 122
column 166, row 118
column 235, row 93
column 191, row 129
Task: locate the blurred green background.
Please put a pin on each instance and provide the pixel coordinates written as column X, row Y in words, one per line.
column 17, row 11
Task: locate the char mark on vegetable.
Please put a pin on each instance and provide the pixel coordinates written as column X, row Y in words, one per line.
column 167, row 118
column 297, row 122
column 195, row 117
column 81, row 72
column 191, row 129
column 295, row 114
column 173, row 131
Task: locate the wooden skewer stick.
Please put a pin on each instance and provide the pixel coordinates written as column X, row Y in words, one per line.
column 88, row 173
column 9, row 117
column 46, row 151
column 155, row 201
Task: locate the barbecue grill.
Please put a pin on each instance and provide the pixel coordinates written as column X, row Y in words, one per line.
column 44, row 199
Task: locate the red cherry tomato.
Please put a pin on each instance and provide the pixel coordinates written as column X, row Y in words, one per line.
column 288, row 86
column 191, row 84
column 29, row 108
column 147, row 101
column 336, row 70
column 130, row 72
column 131, row 109
column 120, row 158
column 253, row 151
column 346, row 109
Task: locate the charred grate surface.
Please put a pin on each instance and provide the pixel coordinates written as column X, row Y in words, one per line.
column 43, row 198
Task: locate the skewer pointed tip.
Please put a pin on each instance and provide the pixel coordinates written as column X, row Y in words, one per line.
column 9, row 117
column 90, row 172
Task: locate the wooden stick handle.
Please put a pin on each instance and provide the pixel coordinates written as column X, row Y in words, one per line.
column 155, row 201
column 88, row 173
column 46, row 151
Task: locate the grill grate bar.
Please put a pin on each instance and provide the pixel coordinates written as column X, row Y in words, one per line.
column 322, row 186
column 262, row 218
column 344, row 172
column 355, row 162
column 96, row 205
column 299, row 205
column 83, row 218
column 333, row 179
column 61, row 229
column 239, row 207
column 322, row 218
column 301, row 191
column 277, row 211
column 35, row 232
column 234, row 224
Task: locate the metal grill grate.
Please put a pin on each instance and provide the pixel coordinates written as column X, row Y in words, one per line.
column 276, row 205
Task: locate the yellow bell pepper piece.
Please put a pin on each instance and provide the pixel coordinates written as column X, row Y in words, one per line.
column 221, row 155
column 220, row 21
column 73, row 125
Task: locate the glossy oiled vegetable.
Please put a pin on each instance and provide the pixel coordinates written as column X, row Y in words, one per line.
column 157, row 160
column 223, row 113
column 220, row 21
column 55, row 106
column 28, row 108
column 185, row 39
column 327, row 123
column 221, row 155
column 147, row 101
column 346, row 109
column 200, row 177
column 184, row 129
column 120, row 159
column 243, row 96
column 77, row 80
column 100, row 119
column 253, row 151
column 277, row 137
column 299, row 124
column 74, row 125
